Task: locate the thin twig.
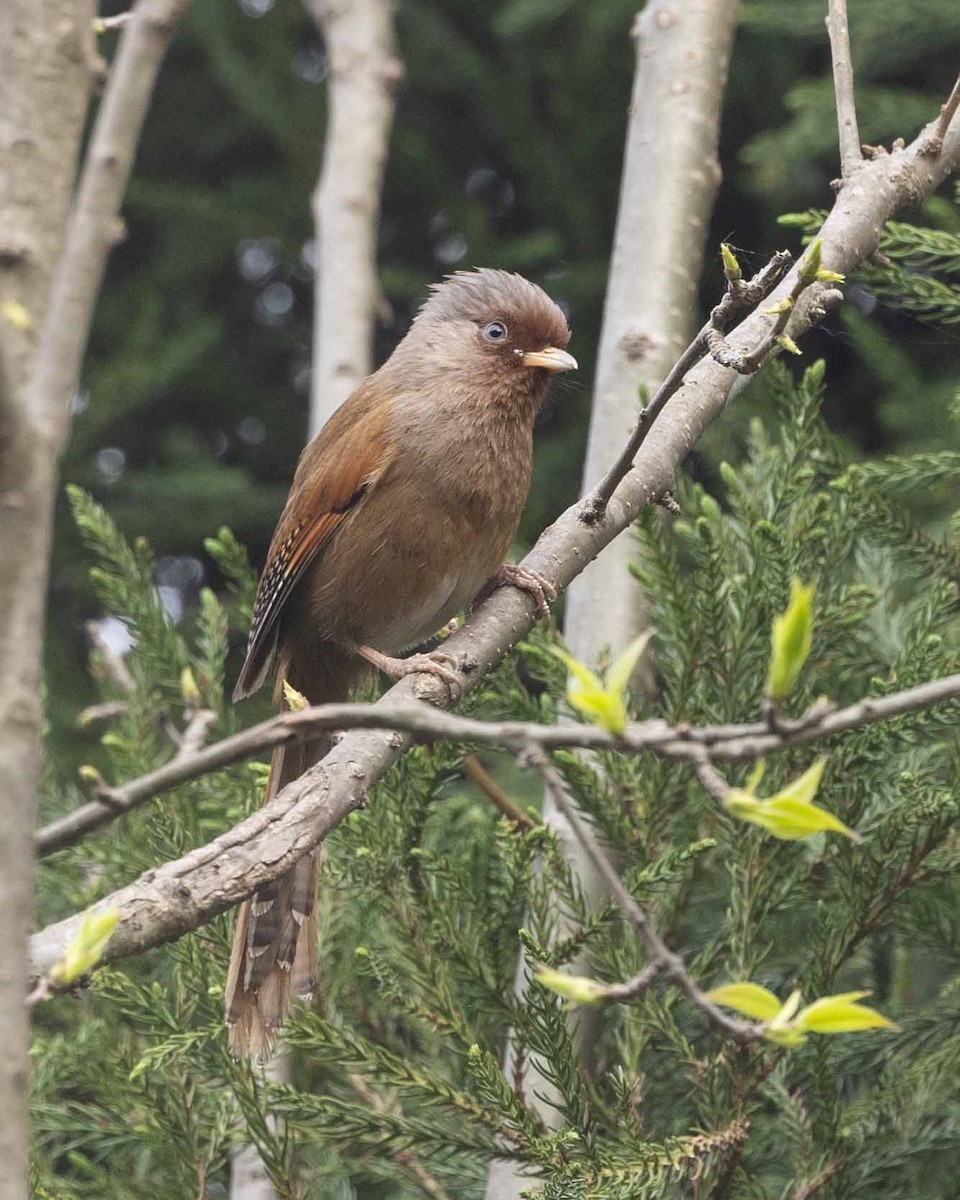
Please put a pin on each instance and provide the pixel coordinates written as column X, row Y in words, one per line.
column 630, row 989
column 847, row 128
column 113, row 663
column 749, row 362
column 106, row 24
column 934, row 144
column 740, row 295
column 727, row 743
column 195, row 734
column 662, row 959
column 475, row 771
column 710, row 777
column 404, row 1158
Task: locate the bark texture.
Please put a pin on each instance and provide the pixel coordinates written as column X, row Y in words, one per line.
column 46, row 56
column 51, row 263
column 364, row 73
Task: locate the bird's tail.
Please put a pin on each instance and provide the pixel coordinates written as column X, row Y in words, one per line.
column 274, row 957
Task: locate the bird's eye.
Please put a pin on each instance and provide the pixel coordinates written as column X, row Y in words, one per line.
column 496, row 331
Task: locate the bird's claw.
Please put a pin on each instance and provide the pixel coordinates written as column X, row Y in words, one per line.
column 442, row 666
column 531, row 582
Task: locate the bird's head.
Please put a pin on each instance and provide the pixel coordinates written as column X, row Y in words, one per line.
column 495, row 330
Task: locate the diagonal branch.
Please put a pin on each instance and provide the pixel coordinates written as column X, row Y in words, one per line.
column 182, row 895
column 662, row 959
column 948, row 110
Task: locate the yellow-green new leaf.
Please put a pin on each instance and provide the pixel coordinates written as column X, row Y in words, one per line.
column 748, row 999
column 587, row 693
column 791, row 641
column 296, row 701
column 784, row 818
column 812, row 262
column 731, row 268
column 785, row 1035
column 87, row 948
column 620, row 671
column 575, row 988
column 188, row 687
column 841, row 1014
column 805, row 787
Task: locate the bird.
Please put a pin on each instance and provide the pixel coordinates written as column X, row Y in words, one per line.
column 401, row 512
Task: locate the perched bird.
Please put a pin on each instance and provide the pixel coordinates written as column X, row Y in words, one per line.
column 400, row 513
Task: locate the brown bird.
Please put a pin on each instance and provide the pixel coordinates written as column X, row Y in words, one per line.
column 401, row 511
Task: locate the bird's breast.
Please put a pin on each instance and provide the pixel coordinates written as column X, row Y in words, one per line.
column 437, row 525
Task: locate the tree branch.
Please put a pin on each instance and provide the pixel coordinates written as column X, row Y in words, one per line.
column 424, row 723
column 667, row 191
column 849, row 133
column 180, row 896
column 662, row 960
column 739, row 296
column 948, row 110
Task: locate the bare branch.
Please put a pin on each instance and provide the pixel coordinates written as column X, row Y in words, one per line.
column 739, row 296
column 849, row 132
column 948, row 111
column 422, row 722
column 662, row 959
column 474, row 770
column 106, row 24
column 113, row 663
column 182, row 895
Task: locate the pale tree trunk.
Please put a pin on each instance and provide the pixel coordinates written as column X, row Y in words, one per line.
column 670, row 180
column 363, row 74
column 46, row 56
column 52, row 257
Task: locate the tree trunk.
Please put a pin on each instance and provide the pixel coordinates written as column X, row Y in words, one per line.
column 364, row 72
column 46, row 55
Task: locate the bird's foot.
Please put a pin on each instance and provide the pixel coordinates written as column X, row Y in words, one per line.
column 531, row 582
column 442, row 666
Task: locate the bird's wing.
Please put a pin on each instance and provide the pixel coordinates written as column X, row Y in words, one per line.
column 335, row 472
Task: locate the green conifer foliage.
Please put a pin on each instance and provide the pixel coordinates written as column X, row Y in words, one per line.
column 427, row 896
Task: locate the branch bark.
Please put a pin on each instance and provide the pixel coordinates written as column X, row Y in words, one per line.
column 670, row 178
column 46, row 54
column 364, row 73
column 181, row 895
column 46, row 63
column 424, row 723
column 847, row 127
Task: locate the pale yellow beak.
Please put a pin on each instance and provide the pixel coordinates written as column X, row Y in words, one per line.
column 550, row 358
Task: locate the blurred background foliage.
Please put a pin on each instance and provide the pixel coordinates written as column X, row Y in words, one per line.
column 506, row 151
